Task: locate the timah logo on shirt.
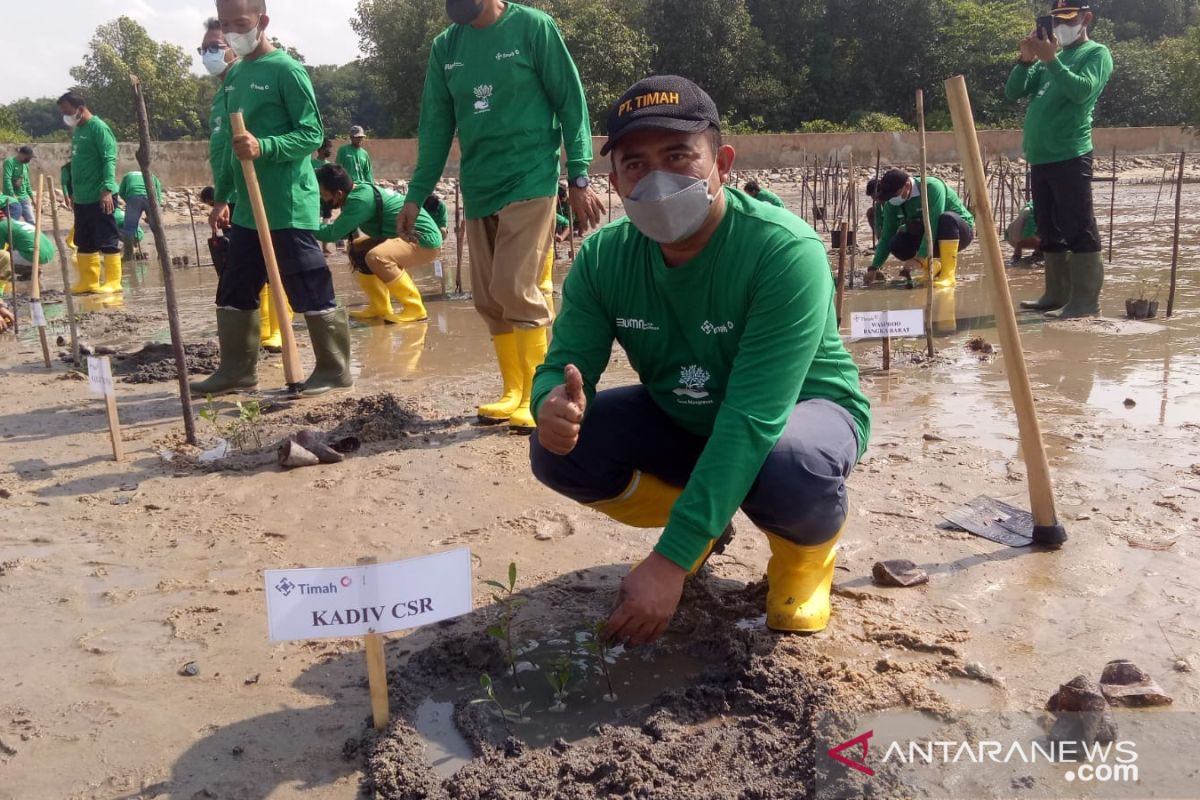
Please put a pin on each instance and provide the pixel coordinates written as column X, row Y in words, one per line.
column 694, row 379
column 258, row 88
column 712, row 329
column 509, row 54
column 483, row 99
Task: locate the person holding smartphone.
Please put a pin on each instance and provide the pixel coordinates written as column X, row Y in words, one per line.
column 1063, row 72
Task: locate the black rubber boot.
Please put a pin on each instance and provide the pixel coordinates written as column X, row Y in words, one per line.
column 237, row 333
column 1058, row 284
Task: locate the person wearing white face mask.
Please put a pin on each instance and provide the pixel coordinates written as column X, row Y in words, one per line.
column 902, row 226
column 93, row 184
column 746, row 395
column 1064, row 75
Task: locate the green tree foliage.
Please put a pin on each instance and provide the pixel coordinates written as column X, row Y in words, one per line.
column 348, row 96
column 396, row 36
column 122, row 47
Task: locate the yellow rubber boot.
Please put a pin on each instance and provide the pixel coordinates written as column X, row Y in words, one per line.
column 505, row 345
column 945, row 317
column 270, row 336
column 112, row 274
column 406, row 293
column 799, row 580
column 379, row 304
column 71, row 238
column 546, row 284
column 948, row 254
column 531, row 352
column 88, row 265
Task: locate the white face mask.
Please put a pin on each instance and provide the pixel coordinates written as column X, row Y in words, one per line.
column 71, row 120
column 1068, row 35
column 243, row 44
column 214, row 61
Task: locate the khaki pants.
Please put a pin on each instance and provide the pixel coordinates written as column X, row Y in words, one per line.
column 508, row 252
column 388, row 259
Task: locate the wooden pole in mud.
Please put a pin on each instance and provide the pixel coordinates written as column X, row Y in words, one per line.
column 192, row 217
column 609, row 200
column 1112, row 205
column 1161, row 183
column 841, row 272
column 164, row 259
column 1175, row 245
column 852, row 193
column 35, row 286
column 1047, row 531
column 458, row 237
column 12, row 279
column 376, row 672
column 887, row 353
column 929, row 240
column 66, row 273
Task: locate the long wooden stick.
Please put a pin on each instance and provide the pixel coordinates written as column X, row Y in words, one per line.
column 291, row 355
column 458, row 237
column 929, row 240
column 1161, row 183
column 841, row 272
column 154, row 213
column 12, row 277
column 1047, row 531
column 852, row 193
column 66, row 272
column 1175, row 245
column 1112, row 204
column 192, row 217
column 376, row 673
column 35, row 288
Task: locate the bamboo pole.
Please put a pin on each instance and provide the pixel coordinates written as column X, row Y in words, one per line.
column 35, row 287
column 1047, row 531
column 192, row 217
column 12, row 279
column 1175, row 244
column 841, row 271
column 66, row 272
column 458, row 237
column 852, row 192
column 164, row 259
column 1161, row 183
column 929, row 238
column 1112, row 204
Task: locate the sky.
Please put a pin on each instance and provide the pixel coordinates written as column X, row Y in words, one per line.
column 43, row 39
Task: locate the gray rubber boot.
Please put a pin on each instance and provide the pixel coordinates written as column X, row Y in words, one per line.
column 237, row 334
column 1058, row 284
column 330, row 334
column 127, row 247
column 1087, row 279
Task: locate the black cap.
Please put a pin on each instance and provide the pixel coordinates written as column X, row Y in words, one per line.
column 1069, row 9
column 661, row 101
column 25, row 150
column 891, row 183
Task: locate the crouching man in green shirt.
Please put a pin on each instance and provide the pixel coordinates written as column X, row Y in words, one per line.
column 902, row 225
column 747, row 396
column 381, row 259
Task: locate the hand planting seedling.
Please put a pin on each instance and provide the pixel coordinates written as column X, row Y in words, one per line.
column 560, row 675
column 506, row 715
column 598, row 646
column 509, row 603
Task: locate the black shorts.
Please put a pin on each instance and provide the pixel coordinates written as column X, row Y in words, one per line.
column 302, row 266
column 95, row 231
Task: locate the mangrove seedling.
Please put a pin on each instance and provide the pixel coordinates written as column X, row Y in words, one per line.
column 241, row 431
column 597, row 645
column 509, row 602
column 560, row 675
column 507, row 715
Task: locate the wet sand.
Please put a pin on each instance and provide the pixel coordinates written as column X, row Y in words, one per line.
column 113, row 577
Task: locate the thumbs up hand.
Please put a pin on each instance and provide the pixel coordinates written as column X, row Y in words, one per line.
column 561, row 414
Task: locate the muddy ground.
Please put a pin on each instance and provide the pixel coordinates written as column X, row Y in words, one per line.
column 114, row 577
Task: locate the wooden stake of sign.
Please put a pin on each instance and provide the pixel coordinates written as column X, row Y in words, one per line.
column 1175, row 245
column 459, row 226
column 164, row 259
column 841, row 273
column 100, row 373
column 376, row 672
column 35, row 289
column 887, row 353
column 291, row 355
column 1112, row 205
column 929, row 241
column 66, row 271
column 1047, row 531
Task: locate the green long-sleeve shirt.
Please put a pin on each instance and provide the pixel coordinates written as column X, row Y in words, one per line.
column 357, row 162
column 16, row 179
column 93, row 161
column 361, row 212
column 219, row 143
column 514, row 96
column 726, row 344
column 23, row 237
column 765, row 196
column 64, row 177
column 1058, row 123
column 892, row 219
column 134, row 185
column 276, row 98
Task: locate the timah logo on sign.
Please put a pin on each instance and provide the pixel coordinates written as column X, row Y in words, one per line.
column 865, row 742
column 285, row 587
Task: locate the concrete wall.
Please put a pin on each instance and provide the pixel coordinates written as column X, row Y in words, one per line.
column 186, row 163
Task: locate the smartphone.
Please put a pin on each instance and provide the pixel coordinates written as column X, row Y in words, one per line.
column 1045, row 28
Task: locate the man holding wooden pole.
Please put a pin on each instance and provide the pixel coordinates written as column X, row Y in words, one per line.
column 1065, row 85
column 283, row 129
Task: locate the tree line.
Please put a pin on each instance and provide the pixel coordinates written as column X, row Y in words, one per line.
column 771, row 65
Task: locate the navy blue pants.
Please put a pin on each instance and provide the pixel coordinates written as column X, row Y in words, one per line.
column 907, row 243
column 302, row 266
column 800, row 492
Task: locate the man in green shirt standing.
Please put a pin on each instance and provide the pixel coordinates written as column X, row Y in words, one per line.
column 93, row 184
column 746, row 395
column 502, row 78
column 902, row 227
column 18, row 185
column 283, row 128
column 355, row 158
column 137, row 202
column 764, row 195
column 381, row 259
column 1064, row 86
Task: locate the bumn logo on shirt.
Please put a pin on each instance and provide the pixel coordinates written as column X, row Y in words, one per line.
column 636, row 324
column 483, row 102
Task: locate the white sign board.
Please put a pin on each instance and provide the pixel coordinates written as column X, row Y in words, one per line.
column 437, row 268
column 38, row 313
column 342, row 602
column 100, row 379
column 882, row 324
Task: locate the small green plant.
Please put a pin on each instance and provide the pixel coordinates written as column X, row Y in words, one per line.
column 507, row 715
column 597, row 645
column 561, row 673
column 241, row 431
column 509, row 602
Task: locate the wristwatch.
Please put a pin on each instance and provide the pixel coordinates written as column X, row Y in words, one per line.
column 581, row 182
